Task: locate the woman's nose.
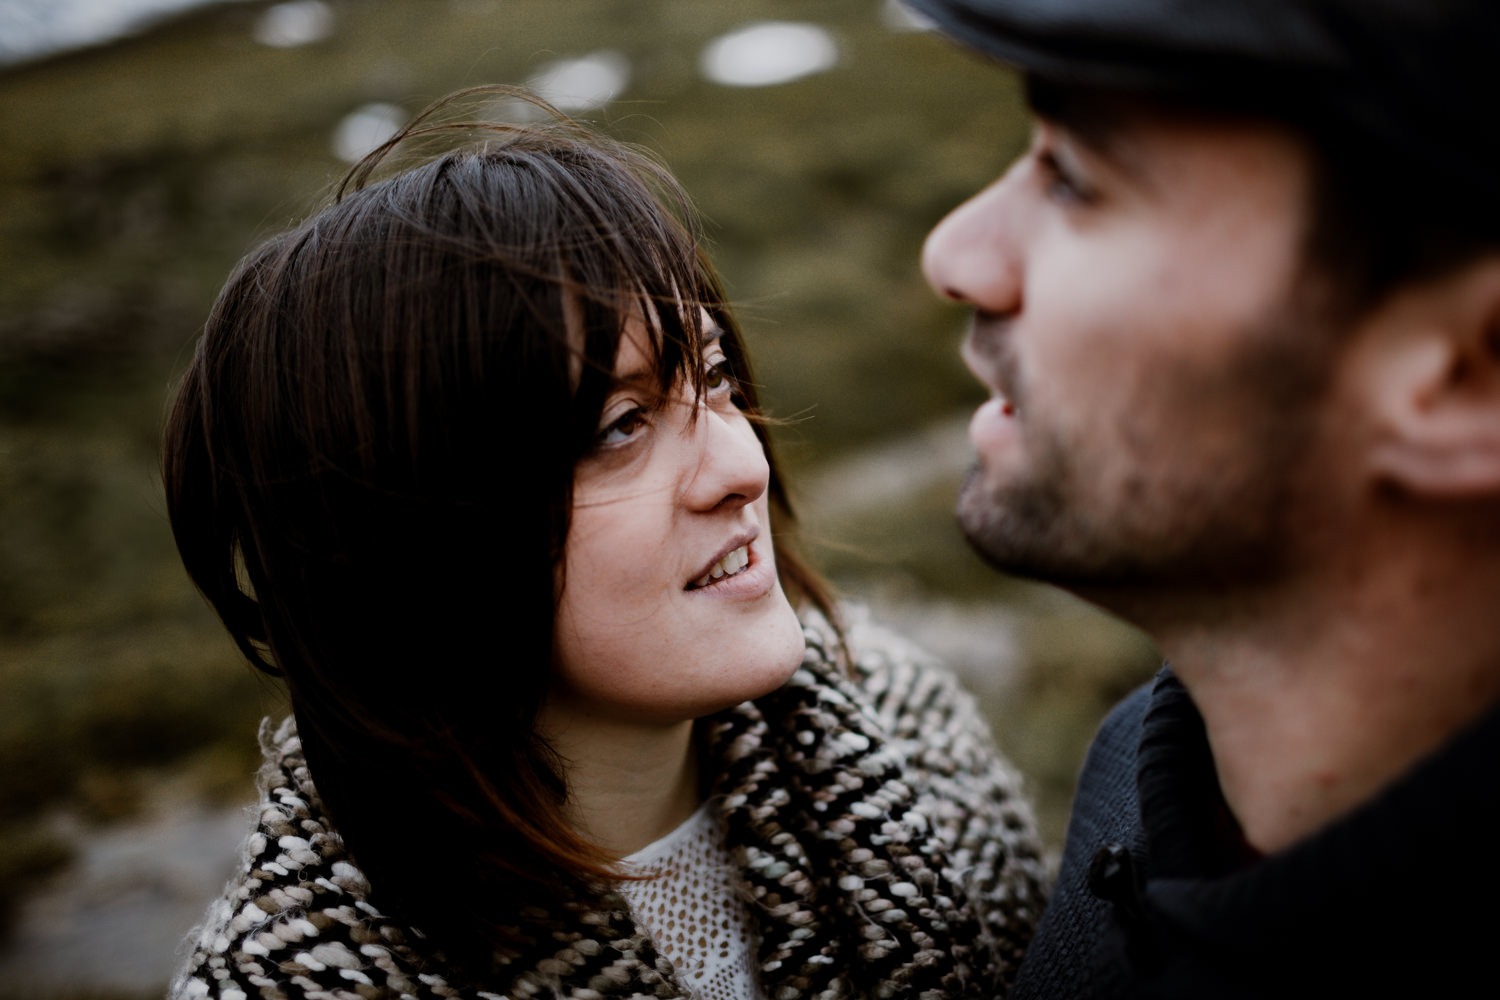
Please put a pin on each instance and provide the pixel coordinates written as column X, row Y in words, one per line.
column 972, row 257
column 731, row 469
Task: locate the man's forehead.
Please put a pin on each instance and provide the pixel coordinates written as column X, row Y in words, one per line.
column 1105, row 117
column 1137, row 133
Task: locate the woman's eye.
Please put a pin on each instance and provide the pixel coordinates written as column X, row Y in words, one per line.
column 718, row 380
column 622, row 428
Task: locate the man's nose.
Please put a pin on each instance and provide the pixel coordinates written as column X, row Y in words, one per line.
column 972, row 257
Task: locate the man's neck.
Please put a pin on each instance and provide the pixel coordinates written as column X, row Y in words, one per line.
column 1321, row 698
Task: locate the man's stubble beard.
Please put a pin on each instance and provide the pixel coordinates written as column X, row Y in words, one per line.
column 1167, row 526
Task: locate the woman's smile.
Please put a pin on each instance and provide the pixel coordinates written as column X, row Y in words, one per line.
column 743, row 574
column 734, row 562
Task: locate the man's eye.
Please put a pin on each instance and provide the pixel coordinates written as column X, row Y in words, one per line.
column 1059, row 181
column 622, row 428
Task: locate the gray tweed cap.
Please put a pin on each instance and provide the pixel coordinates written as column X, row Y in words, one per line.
column 1418, row 76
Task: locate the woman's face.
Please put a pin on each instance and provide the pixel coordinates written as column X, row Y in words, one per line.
column 671, row 607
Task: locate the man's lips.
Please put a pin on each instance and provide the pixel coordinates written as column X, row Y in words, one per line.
column 986, row 353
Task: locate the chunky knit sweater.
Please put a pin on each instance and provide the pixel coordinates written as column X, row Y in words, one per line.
column 885, row 850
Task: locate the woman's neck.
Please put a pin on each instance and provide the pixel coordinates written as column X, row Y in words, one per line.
column 628, row 785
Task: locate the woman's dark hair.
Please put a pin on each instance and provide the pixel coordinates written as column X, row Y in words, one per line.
column 369, row 465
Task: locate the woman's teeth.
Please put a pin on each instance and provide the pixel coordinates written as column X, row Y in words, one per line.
column 731, row 564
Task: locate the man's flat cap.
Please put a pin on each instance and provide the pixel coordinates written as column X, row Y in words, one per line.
column 1416, row 75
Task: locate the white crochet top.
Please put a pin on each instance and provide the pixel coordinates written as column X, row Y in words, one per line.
column 694, row 912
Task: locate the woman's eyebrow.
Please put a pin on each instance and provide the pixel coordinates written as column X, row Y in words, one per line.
column 640, row 376
column 643, row 373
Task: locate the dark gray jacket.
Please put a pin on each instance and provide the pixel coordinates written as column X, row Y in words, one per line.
column 1158, row 896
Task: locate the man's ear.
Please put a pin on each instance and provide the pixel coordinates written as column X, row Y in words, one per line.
column 1435, row 379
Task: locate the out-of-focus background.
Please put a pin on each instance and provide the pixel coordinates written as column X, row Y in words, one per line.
column 148, row 143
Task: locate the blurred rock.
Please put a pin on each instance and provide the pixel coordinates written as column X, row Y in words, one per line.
column 297, row 22
column 111, row 923
column 767, row 53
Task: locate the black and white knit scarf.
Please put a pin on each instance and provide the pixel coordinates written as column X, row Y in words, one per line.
column 885, row 849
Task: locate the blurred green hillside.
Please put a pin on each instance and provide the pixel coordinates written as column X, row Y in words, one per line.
column 133, row 176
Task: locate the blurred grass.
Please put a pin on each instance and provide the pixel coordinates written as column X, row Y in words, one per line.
column 133, row 176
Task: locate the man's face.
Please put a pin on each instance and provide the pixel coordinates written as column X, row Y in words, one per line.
column 1157, row 377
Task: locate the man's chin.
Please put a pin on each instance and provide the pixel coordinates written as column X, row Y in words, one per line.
column 987, row 518
column 1015, row 531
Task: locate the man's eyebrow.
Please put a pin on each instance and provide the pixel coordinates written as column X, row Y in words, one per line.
column 1082, row 112
column 1092, row 118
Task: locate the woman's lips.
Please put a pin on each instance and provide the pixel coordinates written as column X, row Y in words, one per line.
column 734, row 558
column 733, row 562
column 755, row 579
